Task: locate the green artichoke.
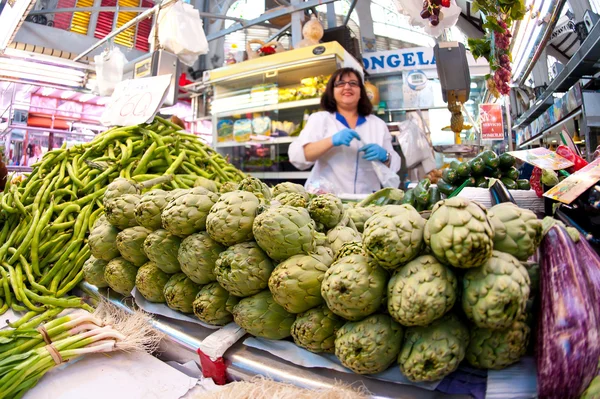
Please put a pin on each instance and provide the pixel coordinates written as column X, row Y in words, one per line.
column 459, row 233
column 207, row 184
column 350, row 248
column 103, row 241
column 292, row 199
column 120, row 211
column 323, row 254
column 326, row 209
column 150, row 282
column 210, row 305
column 315, row 329
column 162, row 247
column 421, row 291
column 517, row 231
column 360, row 215
column 230, row 219
column 284, row 231
column 497, row 349
column 261, row 316
column 174, row 194
column 187, row 214
column 369, row 346
column 296, row 283
column 289, row 188
column 243, row 269
column 119, row 274
column 353, row 287
column 130, row 243
column 341, row 235
column 180, row 293
column 228, row 187
column 118, row 187
column 394, row 235
column 93, row 272
column 255, row 186
column 429, row 353
column 149, row 208
column 495, row 294
column 197, row 256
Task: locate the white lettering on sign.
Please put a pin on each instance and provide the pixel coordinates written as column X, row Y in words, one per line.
column 136, row 101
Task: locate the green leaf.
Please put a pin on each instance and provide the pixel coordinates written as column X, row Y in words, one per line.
column 474, row 7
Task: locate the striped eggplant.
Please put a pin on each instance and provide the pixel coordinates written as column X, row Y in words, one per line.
column 568, row 346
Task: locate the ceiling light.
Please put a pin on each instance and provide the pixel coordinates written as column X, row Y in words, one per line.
column 29, row 78
column 46, row 91
column 86, row 97
column 554, row 141
column 67, row 94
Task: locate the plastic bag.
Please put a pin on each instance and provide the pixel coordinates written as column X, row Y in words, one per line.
column 180, row 32
column 413, row 142
column 109, row 70
column 386, row 177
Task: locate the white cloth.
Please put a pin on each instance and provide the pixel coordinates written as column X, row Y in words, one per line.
column 340, row 167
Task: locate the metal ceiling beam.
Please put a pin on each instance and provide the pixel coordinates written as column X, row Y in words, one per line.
column 267, row 16
column 279, row 32
column 347, row 18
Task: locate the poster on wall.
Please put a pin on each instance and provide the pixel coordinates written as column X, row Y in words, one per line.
column 492, row 125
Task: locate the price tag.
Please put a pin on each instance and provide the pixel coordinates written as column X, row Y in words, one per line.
column 543, row 158
column 573, row 186
column 136, row 101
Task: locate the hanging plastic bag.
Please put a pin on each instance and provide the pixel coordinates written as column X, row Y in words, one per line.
column 109, row 70
column 386, row 177
column 413, row 142
column 180, row 31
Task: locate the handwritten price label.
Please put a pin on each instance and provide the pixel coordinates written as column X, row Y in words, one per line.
column 136, row 101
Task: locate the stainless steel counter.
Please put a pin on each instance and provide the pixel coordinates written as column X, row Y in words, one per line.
column 183, row 339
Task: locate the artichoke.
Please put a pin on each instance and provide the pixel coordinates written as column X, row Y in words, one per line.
column 323, row 254
column 210, row 305
column 292, row 199
column 187, row 214
column 341, row 235
column 197, row 256
column 261, row 316
column 315, row 329
column 360, row 215
column 174, row 194
column 148, row 209
column 430, row 353
column 230, row 219
column 207, row 184
column 103, row 241
column 120, row 211
column 162, row 247
column 369, row 346
column 421, row 291
column 394, row 235
column 497, row 349
column 459, row 233
column 130, row 243
column 243, row 269
column 289, row 188
column 228, row 187
column 284, row 231
column 119, row 274
column 118, row 187
column 350, row 248
column 296, row 282
column 516, row 231
column 495, row 294
column 180, row 293
column 255, row 186
column 93, row 272
column 150, row 282
column 353, row 287
column 326, row 209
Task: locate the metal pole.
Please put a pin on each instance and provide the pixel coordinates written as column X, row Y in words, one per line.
column 331, row 20
column 296, row 25
column 352, row 5
column 508, row 122
column 279, row 32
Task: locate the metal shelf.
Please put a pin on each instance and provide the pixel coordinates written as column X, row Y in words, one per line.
column 572, row 115
column 272, row 140
column 280, row 175
column 583, row 63
column 272, row 107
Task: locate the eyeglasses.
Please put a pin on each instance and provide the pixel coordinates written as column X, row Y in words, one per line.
column 341, row 83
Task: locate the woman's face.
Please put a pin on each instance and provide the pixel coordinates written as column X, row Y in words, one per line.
column 346, row 91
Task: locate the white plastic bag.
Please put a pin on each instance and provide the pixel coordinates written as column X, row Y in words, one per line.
column 386, row 177
column 180, row 32
column 413, row 142
column 109, row 70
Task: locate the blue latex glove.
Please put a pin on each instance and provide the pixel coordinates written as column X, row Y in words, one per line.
column 344, row 137
column 374, row 152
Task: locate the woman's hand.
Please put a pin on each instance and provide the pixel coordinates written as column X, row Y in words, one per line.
column 344, row 137
column 375, row 152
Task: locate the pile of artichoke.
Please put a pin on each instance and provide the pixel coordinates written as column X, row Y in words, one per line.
column 375, row 283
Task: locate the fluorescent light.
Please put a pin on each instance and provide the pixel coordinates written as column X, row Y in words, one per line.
column 42, row 79
column 67, row 94
column 103, row 101
column 10, row 20
column 46, row 91
column 45, row 68
column 86, row 97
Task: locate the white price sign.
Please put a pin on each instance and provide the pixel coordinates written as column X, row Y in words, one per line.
column 136, row 101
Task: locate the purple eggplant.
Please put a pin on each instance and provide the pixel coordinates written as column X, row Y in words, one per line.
column 568, row 346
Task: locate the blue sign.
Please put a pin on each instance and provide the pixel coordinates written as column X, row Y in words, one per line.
column 398, row 60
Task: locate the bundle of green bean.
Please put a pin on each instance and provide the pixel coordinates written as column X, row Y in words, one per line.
column 47, row 216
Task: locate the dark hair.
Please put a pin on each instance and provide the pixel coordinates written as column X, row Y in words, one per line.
column 328, row 99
